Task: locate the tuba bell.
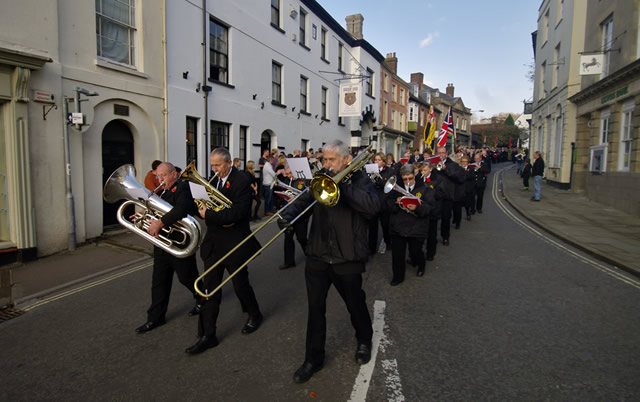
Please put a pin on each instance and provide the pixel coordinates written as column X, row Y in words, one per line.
column 217, row 200
column 180, row 239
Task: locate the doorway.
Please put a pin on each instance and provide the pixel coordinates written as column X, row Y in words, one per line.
column 117, row 150
column 265, row 141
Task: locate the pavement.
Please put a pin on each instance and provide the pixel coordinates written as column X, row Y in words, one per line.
column 603, row 232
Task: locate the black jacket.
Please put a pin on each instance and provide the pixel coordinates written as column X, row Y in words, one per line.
column 179, row 195
column 526, row 171
column 451, row 176
column 538, row 167
column 227, row 227
column 339, row 234
column 406, row 224
column 435, row 184
column 482, row 173
column 385, row 173
column 469, row 180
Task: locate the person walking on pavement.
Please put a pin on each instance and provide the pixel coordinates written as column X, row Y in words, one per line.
column 537, row 171
column 178, row 194
column 525, row 174
column 268, row 178
column 336, row 254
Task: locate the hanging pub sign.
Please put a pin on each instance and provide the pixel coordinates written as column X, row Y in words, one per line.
column 350, row 100
column 591, row 64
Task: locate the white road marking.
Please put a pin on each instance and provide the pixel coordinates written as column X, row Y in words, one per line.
column 88, row 286
column 629, row 281
column 392, row 380
column 379, row 341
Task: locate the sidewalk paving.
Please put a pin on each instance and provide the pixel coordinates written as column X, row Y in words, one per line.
column 603, row 232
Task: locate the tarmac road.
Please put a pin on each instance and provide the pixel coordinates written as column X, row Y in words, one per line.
column 503, row 313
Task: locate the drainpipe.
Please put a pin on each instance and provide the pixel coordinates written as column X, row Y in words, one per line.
column 165, row 90
column 573, row 150
column 205, row 125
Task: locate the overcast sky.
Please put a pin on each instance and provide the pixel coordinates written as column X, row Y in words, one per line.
column 482, row 47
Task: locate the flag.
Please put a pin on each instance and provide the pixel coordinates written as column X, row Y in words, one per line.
column 447, row 129
column 430, row 130
column 509, row 142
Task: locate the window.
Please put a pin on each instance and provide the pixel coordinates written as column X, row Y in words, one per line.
column 411, row 113
column 545, row 27
column 393, row 93
column 607, row 41
column 192, row 138
column 386, row 82
column 542, row 91
column 604, row 126
column 370, row 81
column 323, row 44
column 393, row 119
column 276, row 82
column 402, row 121
column 402, row 96
column 557, row 146
column 385, row 113
column 219, row 135
column 422, row 117
column 340, row 66
column 303, row 28
column 559, row 11
column 324, row 103
column 626, row 130
column 242, row 154
column 218, row 52
column 304, row 86
column 556, row 66
column 275, row 13
column 116, row 30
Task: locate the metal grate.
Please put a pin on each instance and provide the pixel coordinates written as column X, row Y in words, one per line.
column 9, row 313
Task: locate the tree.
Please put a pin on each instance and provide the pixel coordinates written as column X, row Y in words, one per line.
column 509, row 121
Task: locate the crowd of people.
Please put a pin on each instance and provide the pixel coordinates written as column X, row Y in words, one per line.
column 410, row 204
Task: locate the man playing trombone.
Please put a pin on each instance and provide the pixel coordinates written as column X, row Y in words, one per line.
column 225, row 229
column 336, row 253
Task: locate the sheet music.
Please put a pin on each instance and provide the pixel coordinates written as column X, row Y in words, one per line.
column 199, row 192
column 300, row 168
column 372, row 168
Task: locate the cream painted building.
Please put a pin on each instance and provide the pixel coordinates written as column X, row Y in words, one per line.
column 559, row 39
column 50, row 51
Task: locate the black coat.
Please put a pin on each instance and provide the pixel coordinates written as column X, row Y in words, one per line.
column 405, row 224
column 451, row 176
column 435, row 184
column 526, row 171
column 385, row 173
column 226, row 228
column 481, row 174
column 179, row 195
column 469, row 181
column 339, row 234
column 538, row 167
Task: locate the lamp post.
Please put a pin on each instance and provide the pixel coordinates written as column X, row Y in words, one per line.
column 71, row 218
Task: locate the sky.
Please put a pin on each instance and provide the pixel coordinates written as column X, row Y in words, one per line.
column 482, row 47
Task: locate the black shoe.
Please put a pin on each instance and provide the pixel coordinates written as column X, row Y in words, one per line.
column 479, row 211
column 149, row 325
column 363, row 353
column 445, row 242
column 420, row 272
column 395, row 282
column 458, row 225
column 204, row 343
column 195, row 310
column 429, row 258
column 468, row 217
column 473, row 212
column 252, row 324
column 305, row 372
column 285, row 266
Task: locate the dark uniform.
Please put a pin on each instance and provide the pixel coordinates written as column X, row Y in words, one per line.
column 300, row 227
column 165, row 264
column 450, row 176
column 480, row 184
column 383, row 216
column 435, row 185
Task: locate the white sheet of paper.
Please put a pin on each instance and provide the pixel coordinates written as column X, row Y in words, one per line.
column 198, row 191
column 300, row 168
column 372, row 168
column 138, row 193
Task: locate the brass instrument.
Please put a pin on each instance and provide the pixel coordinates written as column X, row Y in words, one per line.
column 217, row 200
column 289, row 192
column 439, row 166
column 324, row 189
column 391, row 185
column 180, row 239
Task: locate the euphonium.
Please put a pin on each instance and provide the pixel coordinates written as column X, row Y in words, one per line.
column 218, row 200
column 180, row 239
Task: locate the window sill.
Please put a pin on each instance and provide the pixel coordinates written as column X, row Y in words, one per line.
column 302, row 45
column 341, row 71
column 370, row 96
column 276, row 103
column 305, row 113
column 224, row 84
column 277, row 28
column 325, row 119
column 106, row 63
column 325, row 60
column 341, row 124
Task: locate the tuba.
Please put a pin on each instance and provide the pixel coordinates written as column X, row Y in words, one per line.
column 180, row 239
column 217, row 200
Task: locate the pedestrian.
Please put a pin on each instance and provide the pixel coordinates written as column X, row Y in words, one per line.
column 336, row 254
column 525, row 174
column 151, row 181
column 537, row 171
column 253, row 181
column 268, row 179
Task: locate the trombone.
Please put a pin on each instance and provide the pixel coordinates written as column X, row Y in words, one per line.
column 324, row 189
column 217, row 201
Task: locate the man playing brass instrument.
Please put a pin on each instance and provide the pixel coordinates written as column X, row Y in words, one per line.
column 337, row 250
column 225, row 229
column 178, row 194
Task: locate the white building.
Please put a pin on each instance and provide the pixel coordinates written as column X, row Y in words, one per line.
column 267, row 77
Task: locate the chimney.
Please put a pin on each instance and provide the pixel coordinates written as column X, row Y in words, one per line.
column 392, row 62
column 418, row 78
column 354, row 25
column 450, row 89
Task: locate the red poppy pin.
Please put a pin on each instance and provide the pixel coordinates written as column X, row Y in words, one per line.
column 428, row 180
column 173, row 190
column 227, row 185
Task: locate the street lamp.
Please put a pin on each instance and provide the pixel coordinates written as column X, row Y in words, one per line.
column 78, row 119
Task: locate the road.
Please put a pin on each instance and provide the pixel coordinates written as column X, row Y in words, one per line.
column 504, row 313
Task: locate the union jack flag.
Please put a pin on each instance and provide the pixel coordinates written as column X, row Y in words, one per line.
column 447, row 129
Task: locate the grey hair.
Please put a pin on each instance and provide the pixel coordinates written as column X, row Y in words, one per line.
column 338, row 147
column 406, row 169
column 222, row 152
column 169, row 166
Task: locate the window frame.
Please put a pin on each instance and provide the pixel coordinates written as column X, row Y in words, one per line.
column 132, row 33
column 370, row 82
column 302, row 32
column 276, row 99
column 340, row 58
column 606, row 28
column 223, row 136
column 213, row 22
column 626, row 137
column 275, row 12
column 323, row 43
column 304, row 94
column 324, row 105
column 191, row 130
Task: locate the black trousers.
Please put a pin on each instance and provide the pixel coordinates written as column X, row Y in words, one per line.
column 319, row 276
column 164, row 265
column 469, row 200
column 300, row 230
column 398, row 256
column 445, row 224
column 479, row 196
column 432, row 238
column 457, row 211
column 211, row 307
